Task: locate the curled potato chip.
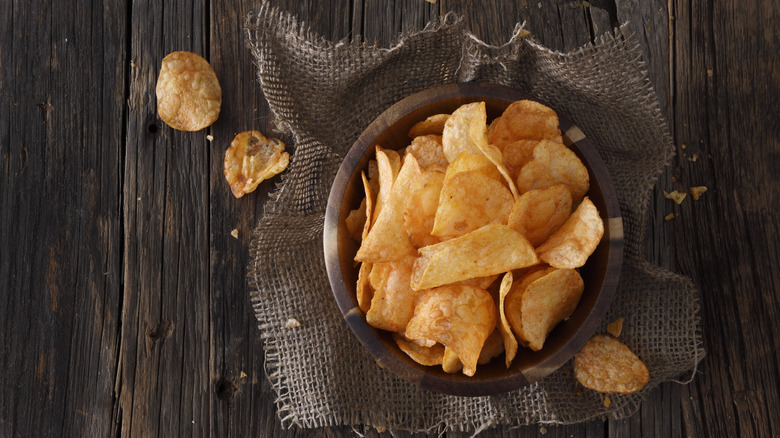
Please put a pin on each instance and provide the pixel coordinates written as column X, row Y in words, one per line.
column 387, row 240
column 388, row 165
column 457, row 135
column 432, row 125
column 427, row 356
column 510, row 343
column 468, row 201
column 539, row 213
column 490, row 250
column 458, row 316
column 525, row 120
column 252, row 158
column 420, row 208
column 575, row 240
column 369, row 205
column 554, row 163
column 188, row 93
column 468, row 162
column 606, row 365
column 364, row 292
column 428, row 151
column 393, row 302
column 450, row 362
column 541, row 301
column 494, row 346
column 356, row 221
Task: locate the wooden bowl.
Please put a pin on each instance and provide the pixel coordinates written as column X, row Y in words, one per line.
column 600, row 274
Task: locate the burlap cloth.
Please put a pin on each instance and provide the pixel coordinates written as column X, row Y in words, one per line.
column 325, row 94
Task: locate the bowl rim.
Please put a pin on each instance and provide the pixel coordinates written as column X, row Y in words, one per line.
column 456, row 384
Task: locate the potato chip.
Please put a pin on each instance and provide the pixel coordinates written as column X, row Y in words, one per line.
column 428, row 151
column 615, row 328
column 460, row 317
column 252, row 158
column 606, row 365
column 432, row 125
column 356, row 221
column 369, row 205
column 378, row 275
column 387, row 240
column 388, row 166
column 364, row 292
column 575, row 241
column 189, row 97
column 373, row 176
column 420, row 342
column 467, row 162
column 480, row 282
column 549, row 298
column 554, row 163
column 525, row 120
column 420, row 208
column 539, row 213
column 494, row 346
column 493, row 153
column 393, row 302
column 517, row 154
column 427, row 356
column 513, row 300
column 450, row 362
column 468, row 201
column 492, row 249
column 508, row 338
column 456, row 137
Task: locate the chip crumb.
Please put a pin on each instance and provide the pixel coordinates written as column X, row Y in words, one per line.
column 210, row 137
column 542, row 430
column 696, row 192
column 607, row 401
column 586, row 4
column 234, row 233
column 682, row 146
column 709, row 73
column 524, row 33
column 381, row 429
column 292, row 323
column 669, row 217
column 566, row 371
column 674, row 179
column 243, row 374
column 615, row 328
column 693, row 158
column 675, row 196
column 539, row 5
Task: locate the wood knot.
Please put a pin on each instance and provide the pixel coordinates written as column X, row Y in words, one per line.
column 157, row 335
column 226, row 389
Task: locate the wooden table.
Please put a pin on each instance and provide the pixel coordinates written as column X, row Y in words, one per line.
column 123, row 301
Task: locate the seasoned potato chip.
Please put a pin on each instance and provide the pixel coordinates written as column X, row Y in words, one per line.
column 387, row 240
column 356, row 221
column 364, row 291
column 554, row 163
column 539, row 213
column 615, row 328
column 388, row 165
column 492, row 249
column 432, row 125
column 460, row 317
column 467, row 162
column 373, row 176
column 378, row 275
column 517, row 154
column 450, row 362
column 457, row 134
column 548, row 298
column 525, row 120
column 494, row 346
column 252, row 158
column 510, row 343
column 427, row 356
column 393, row 302
column 606, row 365
column 575, row 240
column 480, row 282
column 428, row 151
column 188, row 93
column 369, row 205
column 470, row 200
column 420, row 208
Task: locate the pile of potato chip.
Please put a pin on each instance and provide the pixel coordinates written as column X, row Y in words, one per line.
column 471, row 236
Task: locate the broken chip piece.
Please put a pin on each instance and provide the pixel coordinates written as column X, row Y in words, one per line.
column 251, row 159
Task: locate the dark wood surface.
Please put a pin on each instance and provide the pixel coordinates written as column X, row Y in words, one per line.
column 123, row 302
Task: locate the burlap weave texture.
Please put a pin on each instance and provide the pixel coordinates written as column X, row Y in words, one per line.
column 325, row 94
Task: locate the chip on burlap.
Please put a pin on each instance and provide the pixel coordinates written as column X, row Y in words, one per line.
column 325, row 94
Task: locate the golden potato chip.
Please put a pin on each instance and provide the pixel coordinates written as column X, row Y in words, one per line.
column 494, row 346
column 468, row 162
column 393, row 302
column 490, row 250
column 458, row 316
column 615, row 328
column 493, row 153
column 525, row 120
column 457, row 134
column 373, row 176
column 420, row 342
column 369, row 205
column 539, row 213
column 188, row 93
column 551, row 297
column 356, row 221
column 480, row 282
column 468, row 201
column 432, row 125
column 575, row 240
column 387, row 240
column 508, row 338
column 513, row 300
column 427, row 356
column 450, row 362
column 420, row 208
column 517, row 154
column 554, row 163
column 428, row 151
column 606, row 365
column 388, row 165
column 378, row 275
column 364, row 292
column 252, row 158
